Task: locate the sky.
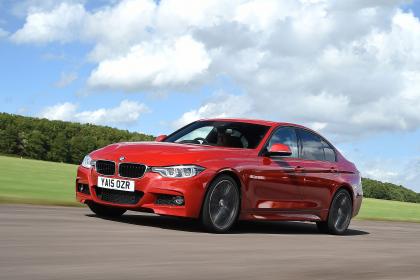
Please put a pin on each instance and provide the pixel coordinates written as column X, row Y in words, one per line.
column 348, row 69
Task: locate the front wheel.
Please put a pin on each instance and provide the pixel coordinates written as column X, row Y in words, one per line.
column 105, row 211
column 221, row 205
column 339, row 215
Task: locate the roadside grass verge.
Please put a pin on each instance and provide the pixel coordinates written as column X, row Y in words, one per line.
column 36, row 182
column 387, row 210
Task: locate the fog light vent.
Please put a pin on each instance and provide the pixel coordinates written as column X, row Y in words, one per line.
column 174, row 200
column 178, row 200
column 83, row 188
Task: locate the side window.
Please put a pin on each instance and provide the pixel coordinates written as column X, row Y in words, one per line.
column 329, row 152
column 312, row 146
column 286, row 136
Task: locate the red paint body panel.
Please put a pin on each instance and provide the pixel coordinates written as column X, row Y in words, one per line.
column 271, row 188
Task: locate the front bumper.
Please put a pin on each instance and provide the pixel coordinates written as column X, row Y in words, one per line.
column 152, row 185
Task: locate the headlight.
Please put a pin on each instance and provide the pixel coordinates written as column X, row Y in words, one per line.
column 180, row 171
column 88, row 162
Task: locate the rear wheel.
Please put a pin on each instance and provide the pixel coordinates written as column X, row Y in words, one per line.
column 339, row 215
column 221, row 205
column 105, row 211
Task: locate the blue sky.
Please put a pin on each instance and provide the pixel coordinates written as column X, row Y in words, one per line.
column 168, row 64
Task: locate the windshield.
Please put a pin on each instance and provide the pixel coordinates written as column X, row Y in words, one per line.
column 218, row 133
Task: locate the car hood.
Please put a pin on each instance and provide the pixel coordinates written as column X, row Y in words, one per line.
column 164, row 154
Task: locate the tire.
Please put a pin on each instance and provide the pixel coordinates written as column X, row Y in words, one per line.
column 105, row 211
column 339, row 215
column 221, row 205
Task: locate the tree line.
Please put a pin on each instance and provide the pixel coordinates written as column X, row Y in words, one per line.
column 388, row 191
column 57, row 140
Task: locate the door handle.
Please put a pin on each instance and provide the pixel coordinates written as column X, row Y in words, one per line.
column 333, row 170
column 299, row 169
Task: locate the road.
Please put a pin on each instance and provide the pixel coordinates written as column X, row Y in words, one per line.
column 44, row 242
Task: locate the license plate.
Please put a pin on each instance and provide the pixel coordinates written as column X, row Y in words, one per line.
column 116, row 184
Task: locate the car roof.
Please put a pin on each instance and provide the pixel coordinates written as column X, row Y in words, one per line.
column 253, row 121
column 267, row 123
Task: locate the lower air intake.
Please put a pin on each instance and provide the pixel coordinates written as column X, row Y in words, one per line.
column 119, row 197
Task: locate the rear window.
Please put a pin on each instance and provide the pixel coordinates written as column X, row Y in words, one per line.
column 312, row 147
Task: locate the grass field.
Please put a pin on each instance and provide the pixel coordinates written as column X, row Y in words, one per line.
column 386, row 210
column 36, row 182
column 42, row 182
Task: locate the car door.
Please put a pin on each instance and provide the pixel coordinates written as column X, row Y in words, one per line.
column 275, row 181
column 318, row 161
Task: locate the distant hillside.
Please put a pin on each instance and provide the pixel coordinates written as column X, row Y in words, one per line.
column 388, row 191
column 57, row 140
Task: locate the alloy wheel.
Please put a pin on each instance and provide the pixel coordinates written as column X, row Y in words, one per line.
column 342, row 211
column 223, row 204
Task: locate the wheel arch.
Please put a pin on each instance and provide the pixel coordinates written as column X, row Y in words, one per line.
column 230, row 173
column 233, row 175
column 346, row 187
column 343, row 186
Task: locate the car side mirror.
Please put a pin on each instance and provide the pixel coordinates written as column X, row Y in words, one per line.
column 279, row 150
column 160, row 138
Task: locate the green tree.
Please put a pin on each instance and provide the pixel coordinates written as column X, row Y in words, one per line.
column 380, row 190
column 37, row 145
column 53, row 140
column 59, row 150
column 81, row 146
column 9, row 143
column 22, row 143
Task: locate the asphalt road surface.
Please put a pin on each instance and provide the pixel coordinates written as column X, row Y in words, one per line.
column 40, row 242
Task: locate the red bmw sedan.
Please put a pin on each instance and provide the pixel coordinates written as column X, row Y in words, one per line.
column 224, row 170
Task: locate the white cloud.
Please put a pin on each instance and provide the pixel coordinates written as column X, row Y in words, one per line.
column 348, row 68
column 380, row 173
column 61, row 24
column 126, row 113
column 66, row 79
column 347, row 84
column 232, row 105
column 112, row 29
column 403, row 172
column 63, row 111
column 115, row 30
column 3, row 33
column 23, row 7
column 153, row 64
column 261, row 15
